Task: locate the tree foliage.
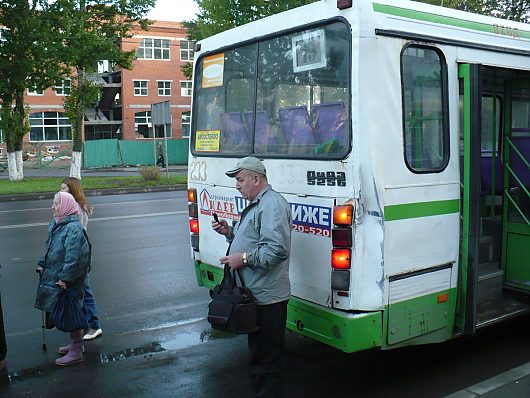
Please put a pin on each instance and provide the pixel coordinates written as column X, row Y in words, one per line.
column 45, row 41
column 515, row 10
column 216, row 16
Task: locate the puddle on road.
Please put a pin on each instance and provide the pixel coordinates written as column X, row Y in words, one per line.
column 178, row 342
column 18, row 375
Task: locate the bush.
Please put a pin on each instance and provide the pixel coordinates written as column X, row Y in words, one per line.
column 150, row 173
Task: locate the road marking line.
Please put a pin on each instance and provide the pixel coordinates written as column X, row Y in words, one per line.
column 165, row 325
column 169, row 213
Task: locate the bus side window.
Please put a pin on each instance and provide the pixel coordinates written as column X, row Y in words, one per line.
column 330, row 122
column 296, row 128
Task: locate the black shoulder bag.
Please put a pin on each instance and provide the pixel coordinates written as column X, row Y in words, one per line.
column 233, row 308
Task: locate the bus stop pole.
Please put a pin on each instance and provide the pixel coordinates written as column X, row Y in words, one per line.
column 166, row 158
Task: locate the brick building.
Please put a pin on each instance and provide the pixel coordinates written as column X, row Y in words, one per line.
column 123, row 111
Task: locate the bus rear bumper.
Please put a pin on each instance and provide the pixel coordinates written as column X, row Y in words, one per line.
column 349, row 332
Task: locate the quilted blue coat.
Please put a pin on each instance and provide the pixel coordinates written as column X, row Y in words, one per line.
column 67, row 258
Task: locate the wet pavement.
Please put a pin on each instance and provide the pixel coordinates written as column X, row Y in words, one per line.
column 183, row 357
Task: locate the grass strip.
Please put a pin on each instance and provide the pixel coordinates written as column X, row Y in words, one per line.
column 53, row 184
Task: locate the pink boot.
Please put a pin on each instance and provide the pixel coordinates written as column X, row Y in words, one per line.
column 74, row 355
column 64, row 349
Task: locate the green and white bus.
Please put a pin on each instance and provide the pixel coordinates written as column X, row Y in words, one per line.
column 399, row 132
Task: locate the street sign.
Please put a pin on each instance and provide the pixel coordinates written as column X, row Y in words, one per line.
column 161, row 113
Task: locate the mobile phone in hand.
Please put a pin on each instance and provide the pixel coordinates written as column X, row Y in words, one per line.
column 215, row 217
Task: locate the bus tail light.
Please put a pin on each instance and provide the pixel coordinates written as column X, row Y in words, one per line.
column 193, row 210
column 341, row 258
column 343, row 215
column 192, row 195
column 341, row 237
column 193, row 213
column 342, row 4
column 194, row 226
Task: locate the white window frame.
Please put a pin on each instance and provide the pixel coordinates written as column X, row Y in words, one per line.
column 186, row 50
column 138, row 89
column 186, row 121
column 164, row 91
column 150, row 46
column 44, row 125
column 185, row 90
column 64, row 88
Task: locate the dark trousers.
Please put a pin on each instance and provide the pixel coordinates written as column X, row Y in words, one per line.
column 266, row 350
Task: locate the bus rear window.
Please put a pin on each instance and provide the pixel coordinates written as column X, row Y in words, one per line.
column 287, row 96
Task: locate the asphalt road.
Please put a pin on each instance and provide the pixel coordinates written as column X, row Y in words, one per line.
column 156, row 342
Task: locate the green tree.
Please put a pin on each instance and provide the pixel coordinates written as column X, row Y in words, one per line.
column 216, row 16
column 24, row 53
column 46, row 41
column 515, row 10
column 92, row 30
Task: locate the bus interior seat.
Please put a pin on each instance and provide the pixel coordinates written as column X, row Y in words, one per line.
column 330, row 121
column 486, row 175
column 263, row 133
column 296, row 125
column 235, row 131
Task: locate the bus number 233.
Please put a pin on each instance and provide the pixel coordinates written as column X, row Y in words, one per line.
column 198, row 171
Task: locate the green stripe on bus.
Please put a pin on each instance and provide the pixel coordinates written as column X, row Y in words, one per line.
column 443, row 20
column 421, row 209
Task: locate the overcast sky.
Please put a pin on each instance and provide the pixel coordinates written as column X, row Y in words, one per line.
column 173, row 10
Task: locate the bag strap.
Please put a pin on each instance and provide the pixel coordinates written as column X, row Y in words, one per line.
column 89, row 250
column 240, row 278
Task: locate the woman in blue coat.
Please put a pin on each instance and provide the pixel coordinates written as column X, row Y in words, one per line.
column 64, row 265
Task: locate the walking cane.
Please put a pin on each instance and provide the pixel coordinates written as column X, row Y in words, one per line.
column 43, row 321
column 43, row 334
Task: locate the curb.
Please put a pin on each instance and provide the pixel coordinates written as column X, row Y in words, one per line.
column 96, row 192
column 494, row 383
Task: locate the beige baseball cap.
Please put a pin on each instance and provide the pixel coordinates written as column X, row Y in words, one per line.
column 249, row 163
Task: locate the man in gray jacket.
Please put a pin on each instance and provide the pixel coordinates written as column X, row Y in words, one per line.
column 260, row 244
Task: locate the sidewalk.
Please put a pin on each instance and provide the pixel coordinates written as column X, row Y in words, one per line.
column 63, row 170
column 514, row 383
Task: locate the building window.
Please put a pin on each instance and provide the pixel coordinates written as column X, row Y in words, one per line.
column 185, row 88
column 153, row 49
column 34, row 91
column 104, row 66
column 186, row 50
column 140, row 87
column 425, row 126
column 186, row 124
column 49, row 126
column 64, row 87
column 164, row 88
column 143, row 125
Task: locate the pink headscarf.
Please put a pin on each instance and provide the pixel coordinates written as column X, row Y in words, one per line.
column 67, row 206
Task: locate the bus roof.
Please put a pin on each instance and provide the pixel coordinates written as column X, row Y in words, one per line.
column 386, row 16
